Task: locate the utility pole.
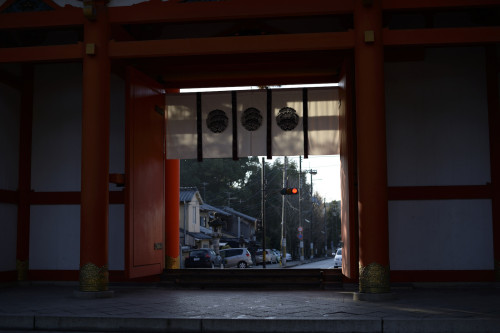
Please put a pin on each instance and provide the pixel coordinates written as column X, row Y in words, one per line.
column 283, row 235
column 300, row 208
column 324, row 220
column 204, row 191
column 263, row 213
column 229, row 198
column 311, row 172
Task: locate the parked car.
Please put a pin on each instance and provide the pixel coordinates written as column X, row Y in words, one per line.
column 238, row 257
column 270, row 257
column 337, row 261
column 203, row 258
column 277, row 253
column 288, row 257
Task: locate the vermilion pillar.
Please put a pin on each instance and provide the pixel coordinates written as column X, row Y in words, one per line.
column 371, row 147
column 172, row 189
column 95, row 150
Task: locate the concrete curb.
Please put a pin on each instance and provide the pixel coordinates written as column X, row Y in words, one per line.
column 290, row 325
column 17, row 322
column 117, row 324
column 412, row 325
column 265, row 325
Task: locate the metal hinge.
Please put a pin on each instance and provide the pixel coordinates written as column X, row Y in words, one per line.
column 158, row 246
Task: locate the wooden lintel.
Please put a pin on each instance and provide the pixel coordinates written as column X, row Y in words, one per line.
column 232, row 45
column 440, row 192
column 56, row 18
column 258, row 80
column 441, row 36
column 155, row 11
column 42, row 53
column 433, row 4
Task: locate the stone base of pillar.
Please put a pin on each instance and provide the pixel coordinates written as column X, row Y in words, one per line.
column 93, row 278
column 22, row 267
column 374, row 279
column 172, row 263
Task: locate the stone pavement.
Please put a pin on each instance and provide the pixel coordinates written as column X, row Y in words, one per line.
column 152, row 308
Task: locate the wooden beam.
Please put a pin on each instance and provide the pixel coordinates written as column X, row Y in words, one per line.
column 155, row 11
column 64, row 198
column 42, row 53
column 430, row 4
column 69, row 16
column 440, row 192
column 441, row 36
column 232, row 45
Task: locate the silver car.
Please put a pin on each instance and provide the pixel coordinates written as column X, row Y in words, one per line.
column 238, row 257
column 270, row 257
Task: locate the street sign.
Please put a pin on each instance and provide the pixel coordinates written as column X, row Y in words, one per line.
column 300, row 229
column 300, row 236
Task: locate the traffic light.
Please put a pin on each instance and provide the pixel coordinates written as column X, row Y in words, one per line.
column 289, row 191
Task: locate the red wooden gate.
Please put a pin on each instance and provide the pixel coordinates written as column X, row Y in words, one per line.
column 348, row 175
column 144, row 167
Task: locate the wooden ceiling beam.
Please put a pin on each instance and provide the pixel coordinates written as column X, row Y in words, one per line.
column 69, row 16
column 170, row 11
column 435, row 4
column 441, row 36
column 232, row 45
column 42, row 53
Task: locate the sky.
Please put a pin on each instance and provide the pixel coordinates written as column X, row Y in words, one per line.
column 327, row 181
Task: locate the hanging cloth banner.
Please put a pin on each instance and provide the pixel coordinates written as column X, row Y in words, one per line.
column 236, row 124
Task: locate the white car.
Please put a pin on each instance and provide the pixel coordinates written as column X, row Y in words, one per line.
column 337, row 261
column 270, row 257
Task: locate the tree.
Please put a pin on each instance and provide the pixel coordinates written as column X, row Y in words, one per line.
column 218, row 180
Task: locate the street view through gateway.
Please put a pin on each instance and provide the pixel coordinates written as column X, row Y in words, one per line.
column 221, row 208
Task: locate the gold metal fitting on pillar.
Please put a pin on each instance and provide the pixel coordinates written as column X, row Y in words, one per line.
column 172, row 263
column 22, row 267
column 374, row 278
column 94, row 278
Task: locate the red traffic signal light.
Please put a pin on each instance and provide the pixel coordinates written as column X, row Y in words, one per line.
column 289, row 191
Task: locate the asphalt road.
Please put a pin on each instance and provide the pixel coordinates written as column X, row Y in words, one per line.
column 324, row 264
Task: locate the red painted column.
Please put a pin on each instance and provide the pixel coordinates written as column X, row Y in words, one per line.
column 23, row 207
column 371, row 145
column 172, row 194
column 95, row 151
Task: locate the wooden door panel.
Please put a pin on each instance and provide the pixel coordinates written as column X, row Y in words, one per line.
column 145, row 175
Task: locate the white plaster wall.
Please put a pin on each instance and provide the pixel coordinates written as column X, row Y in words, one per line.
column 117, row 129
column 441, row 235
column 55, row 237
column 437, row 134
column 8, row 237
column 57, row 164
column 116, row 236
column 437, row 119
column 9, row 137
column 56, row 151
